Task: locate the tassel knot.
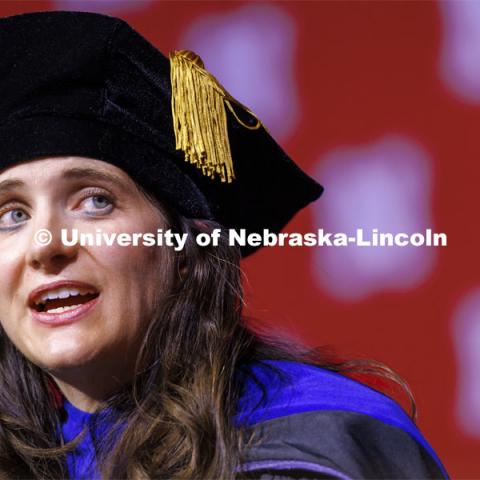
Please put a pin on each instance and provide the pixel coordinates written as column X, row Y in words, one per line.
column 199, row 116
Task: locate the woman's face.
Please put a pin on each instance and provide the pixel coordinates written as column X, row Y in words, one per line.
column 113, row 289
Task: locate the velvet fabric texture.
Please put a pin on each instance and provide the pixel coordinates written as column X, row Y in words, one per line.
column 80, row 83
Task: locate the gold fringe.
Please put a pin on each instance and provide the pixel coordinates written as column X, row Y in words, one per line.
column 199, row 116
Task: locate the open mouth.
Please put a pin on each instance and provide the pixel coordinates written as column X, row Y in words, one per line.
column 62, row 300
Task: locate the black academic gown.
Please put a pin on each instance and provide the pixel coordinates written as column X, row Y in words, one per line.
column 325, row 425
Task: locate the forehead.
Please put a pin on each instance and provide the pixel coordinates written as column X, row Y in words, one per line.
column 49, row 170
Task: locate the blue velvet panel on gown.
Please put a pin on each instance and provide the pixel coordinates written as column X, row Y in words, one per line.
column 314, row 395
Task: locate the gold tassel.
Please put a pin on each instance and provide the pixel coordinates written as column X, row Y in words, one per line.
column 199, row 116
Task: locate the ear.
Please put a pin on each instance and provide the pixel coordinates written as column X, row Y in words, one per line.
column 201, row 224
column 182, row 267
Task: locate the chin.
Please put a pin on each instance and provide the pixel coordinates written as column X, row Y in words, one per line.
column 61, row 363
column 63, row 356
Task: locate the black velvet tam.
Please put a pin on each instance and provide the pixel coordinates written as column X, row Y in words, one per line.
column 78, row 83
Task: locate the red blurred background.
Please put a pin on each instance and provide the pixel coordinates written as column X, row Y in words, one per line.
column 362, row 70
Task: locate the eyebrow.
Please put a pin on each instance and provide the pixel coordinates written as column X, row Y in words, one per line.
column 70, row 174
column 10, row 184
column 92, row 174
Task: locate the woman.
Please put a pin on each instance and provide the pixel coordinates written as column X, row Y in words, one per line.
column 132, row 361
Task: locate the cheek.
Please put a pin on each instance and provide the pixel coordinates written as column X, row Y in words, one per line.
column 12, row 304
column 132, row 259
column 131, row 262
column 133, row 278
column 11, row 301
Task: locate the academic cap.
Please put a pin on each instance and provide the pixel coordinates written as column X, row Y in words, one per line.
column 85, row 84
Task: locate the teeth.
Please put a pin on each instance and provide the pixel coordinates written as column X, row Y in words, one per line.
column 62, row 293
column 62, row 309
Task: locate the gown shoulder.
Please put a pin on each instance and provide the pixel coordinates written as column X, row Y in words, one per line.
column 311, row 423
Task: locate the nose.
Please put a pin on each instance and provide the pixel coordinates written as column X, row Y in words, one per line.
column 50, row 256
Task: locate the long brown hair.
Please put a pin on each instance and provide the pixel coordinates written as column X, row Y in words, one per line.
column 176, row 419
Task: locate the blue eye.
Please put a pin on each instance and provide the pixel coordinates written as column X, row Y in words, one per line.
column 98, row 204
column 100, row 201
column 13, row 217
